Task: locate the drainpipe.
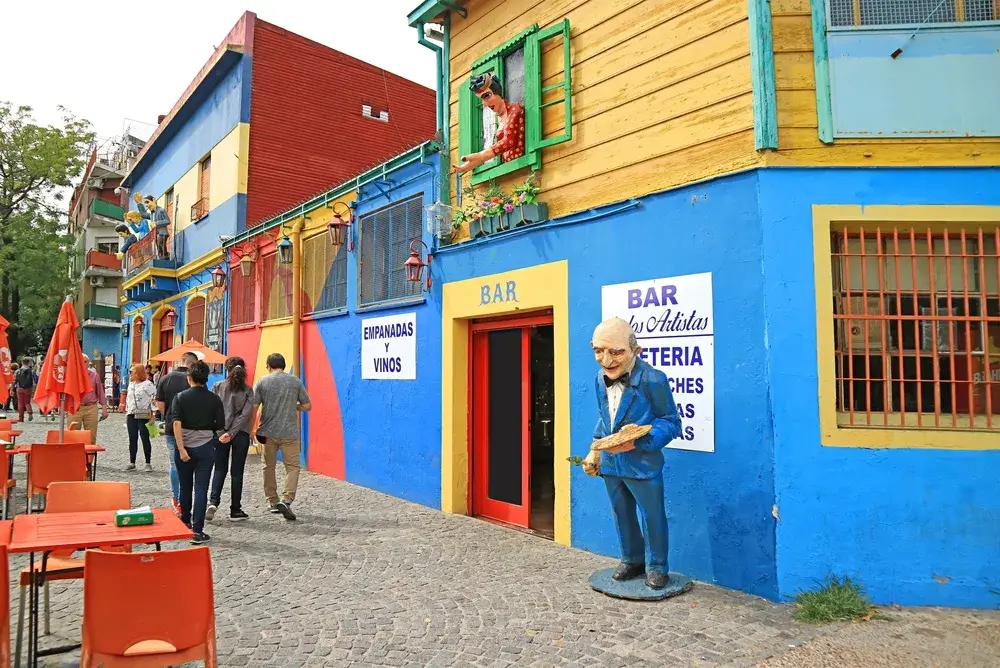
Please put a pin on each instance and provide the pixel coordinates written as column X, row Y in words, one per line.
column 296, row 297
column 438, row 55
column 442, row 59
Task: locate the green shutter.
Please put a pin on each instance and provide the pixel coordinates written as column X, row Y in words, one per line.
column 535, row 93
column 465, row 125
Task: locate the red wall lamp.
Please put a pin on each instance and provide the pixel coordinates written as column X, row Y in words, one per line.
column 341, row 228
column 415, row 267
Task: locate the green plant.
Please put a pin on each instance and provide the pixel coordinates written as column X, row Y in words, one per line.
column 527, row 192
column 835, row 600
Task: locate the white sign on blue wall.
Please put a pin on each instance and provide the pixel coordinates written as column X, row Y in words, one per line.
column 674, row 323
column 389, row 347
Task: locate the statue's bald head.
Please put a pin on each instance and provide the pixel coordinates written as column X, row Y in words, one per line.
column 615, row 346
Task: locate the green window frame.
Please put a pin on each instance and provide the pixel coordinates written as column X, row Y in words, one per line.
column 470, row 107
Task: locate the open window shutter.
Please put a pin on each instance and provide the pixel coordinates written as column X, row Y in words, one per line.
column 535, row 93
column 465, row 122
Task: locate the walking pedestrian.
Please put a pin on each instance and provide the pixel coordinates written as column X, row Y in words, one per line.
column 116, row 388
column 282, row 396
column 197, row 417
column 138, row 413
column 24, row 379
column 86, row 414
column 169, row 387
column 237, row 398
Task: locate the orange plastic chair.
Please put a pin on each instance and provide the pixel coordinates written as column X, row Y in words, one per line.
column 70, row 436
column 60, row 462
column 6, row 425
column 7, row 482
column 71, row 497
column 170, row 601
column 4, row 609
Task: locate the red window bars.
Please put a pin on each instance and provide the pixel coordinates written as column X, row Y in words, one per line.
column 917, row 328
column 241, row 298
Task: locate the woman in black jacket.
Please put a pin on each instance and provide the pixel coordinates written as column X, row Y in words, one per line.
column 237, row 397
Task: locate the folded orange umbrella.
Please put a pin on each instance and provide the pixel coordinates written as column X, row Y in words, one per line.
column 6, row 376
column 64, row 376
column 201, row 351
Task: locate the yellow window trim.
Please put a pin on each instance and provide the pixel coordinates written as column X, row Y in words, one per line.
column 830, row 217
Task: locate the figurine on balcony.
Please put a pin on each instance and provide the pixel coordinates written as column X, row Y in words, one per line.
column 510, row 126
column 128, row 232
column 151, row 211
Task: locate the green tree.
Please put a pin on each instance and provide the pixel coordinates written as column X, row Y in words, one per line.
column 37, row 165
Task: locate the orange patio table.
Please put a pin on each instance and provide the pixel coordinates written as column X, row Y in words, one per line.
column 46, row 533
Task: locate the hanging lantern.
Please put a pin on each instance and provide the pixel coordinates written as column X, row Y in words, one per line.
column 285, row 250
column 218, row 277
column 246, row 265
column 339, row 229
column 415, row 267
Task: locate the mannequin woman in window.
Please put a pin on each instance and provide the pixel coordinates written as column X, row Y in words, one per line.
column 510, row 125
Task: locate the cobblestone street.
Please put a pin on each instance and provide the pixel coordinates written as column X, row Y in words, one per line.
column 363, row 579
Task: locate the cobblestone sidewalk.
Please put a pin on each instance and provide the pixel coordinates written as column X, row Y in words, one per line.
column 364, row 579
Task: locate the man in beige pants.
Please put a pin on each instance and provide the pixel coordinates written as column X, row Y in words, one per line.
column 282, row 396
column 86, row 414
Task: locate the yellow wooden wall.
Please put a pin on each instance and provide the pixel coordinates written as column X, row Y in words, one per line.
column 798, row 138
column 661, row 92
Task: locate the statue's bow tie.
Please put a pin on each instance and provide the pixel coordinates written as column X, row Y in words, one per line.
column 623, row 379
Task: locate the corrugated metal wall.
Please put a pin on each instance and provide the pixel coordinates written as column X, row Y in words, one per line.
column 307, row 132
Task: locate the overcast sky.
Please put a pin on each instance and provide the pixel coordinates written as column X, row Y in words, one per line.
column 112, row 60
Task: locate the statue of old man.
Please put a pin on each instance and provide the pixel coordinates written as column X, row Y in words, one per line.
column 631, row 392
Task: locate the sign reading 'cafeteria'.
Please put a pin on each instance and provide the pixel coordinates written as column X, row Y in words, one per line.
column 674, row 322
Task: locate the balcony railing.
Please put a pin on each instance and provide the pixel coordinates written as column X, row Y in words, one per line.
column 143, row 252
column 98, row 259
column 199, row 209
column 95, row 311
column 99, row 207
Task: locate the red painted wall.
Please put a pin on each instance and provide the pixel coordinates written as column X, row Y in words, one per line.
column 307, row 133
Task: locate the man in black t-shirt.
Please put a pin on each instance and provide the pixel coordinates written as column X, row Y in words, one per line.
column 168, row 387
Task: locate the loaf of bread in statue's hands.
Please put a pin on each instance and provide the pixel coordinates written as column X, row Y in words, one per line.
column 626, row 434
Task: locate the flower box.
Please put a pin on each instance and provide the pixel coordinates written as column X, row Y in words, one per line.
column 481, row 227
column 529, row 214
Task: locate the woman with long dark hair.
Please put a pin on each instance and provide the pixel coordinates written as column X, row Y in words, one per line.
column 237, row 397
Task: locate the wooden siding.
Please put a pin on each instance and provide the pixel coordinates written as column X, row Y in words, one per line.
column 661, row 92
column 307, row 131
column 798, row 134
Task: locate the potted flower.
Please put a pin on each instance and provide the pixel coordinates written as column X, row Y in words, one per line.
column 526, row 207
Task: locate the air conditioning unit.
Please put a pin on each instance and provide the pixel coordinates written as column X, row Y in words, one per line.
column 97, row 281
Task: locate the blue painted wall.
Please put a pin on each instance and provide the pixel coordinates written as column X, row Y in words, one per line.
column 202, row 237
column 213, row 119
column 719, row 504
column 895, row 519
column 105, row 339
column 392, row 429
column 945, row 83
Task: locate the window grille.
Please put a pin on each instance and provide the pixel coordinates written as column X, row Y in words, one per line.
column 241, row 298
column 854, row 13
column 275, row 288
column 917, row 328
column 383, row 248
column 195, row 320
column 324, row 275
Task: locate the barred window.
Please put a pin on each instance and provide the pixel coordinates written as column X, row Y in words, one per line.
column 851, row 13
column 383, row 248
column 917, row 328
column 195, row 320
column 275, row 288
column 324, row 275
column 241, row 298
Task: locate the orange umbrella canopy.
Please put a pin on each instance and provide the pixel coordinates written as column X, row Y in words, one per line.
column 6, row 376
column 64, row 373
column 201, row 351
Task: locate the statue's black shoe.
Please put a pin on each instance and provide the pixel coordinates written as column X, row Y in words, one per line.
column 657, row 580
column 628, row 571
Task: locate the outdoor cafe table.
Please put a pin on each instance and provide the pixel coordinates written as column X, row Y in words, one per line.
column 48, row 532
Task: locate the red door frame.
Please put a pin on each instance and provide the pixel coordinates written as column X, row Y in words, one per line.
column 478, row 437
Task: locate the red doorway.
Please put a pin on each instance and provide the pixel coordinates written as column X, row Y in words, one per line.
column 506, row 460
column 166, row 337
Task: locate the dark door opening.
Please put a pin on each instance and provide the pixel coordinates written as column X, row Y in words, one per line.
column 511, row 401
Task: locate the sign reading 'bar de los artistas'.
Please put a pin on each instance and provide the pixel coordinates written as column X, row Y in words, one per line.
column 674, row 323
column 389, row 347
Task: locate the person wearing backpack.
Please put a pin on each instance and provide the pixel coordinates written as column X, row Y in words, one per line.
column 25, row 382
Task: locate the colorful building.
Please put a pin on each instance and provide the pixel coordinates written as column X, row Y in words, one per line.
column 270, row 119
column 784, row 201
column 95, row 209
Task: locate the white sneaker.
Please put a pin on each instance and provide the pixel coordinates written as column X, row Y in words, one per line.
column 210, row 512
column 148, row 468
